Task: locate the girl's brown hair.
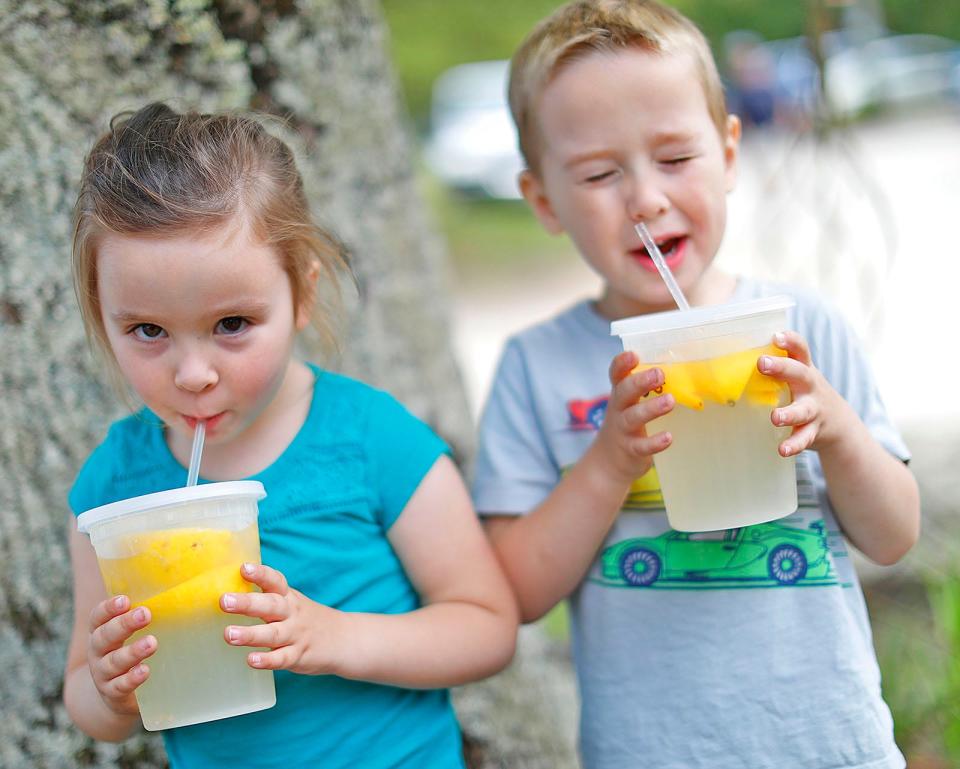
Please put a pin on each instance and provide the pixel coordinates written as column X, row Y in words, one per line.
column 160, row 172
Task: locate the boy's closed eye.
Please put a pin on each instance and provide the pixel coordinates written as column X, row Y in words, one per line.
column 600, row 176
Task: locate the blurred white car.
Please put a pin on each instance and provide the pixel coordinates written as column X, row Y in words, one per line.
column 472, row 144
column 892, row 71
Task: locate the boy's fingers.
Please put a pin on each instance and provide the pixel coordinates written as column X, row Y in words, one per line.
column 649, row 408
column 801, row 439
column 794, row 344
column 634, row 387
column 800, row 412
column 787, row 369
column 622, row 365
column 650, row 444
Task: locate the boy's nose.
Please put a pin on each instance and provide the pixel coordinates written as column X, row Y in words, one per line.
column 646, row 200
column 195, row 373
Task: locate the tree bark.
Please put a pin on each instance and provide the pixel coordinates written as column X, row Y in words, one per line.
column 321, row 65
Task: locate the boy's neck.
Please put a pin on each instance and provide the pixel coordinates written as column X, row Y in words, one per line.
column 714, row 287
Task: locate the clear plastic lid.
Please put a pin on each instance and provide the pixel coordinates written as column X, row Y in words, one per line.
column 171, row 498
column 698, row 316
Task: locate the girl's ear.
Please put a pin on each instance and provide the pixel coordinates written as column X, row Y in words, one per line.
column 534, row 192
column 304, row 309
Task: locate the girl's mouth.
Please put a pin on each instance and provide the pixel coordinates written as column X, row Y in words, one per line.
column 211, row 421
column 673, row 250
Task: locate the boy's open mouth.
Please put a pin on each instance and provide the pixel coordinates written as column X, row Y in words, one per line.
column 672, row 249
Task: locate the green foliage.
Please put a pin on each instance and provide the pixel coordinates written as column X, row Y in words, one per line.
column 428, row 37
column 945, row 603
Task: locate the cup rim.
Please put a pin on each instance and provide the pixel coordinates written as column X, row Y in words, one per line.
column 204, row 491
column 671, row 320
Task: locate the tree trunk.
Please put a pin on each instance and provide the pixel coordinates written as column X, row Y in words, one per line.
column 65, row 68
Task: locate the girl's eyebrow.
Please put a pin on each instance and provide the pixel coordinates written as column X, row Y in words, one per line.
column 242, row 307
column 126, row 316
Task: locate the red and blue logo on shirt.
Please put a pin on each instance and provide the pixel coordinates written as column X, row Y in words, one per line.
column 587, row 414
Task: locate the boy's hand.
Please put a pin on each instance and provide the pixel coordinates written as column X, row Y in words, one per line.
column 303, row 635
column 117, row 670
column 817, row 411
column 623, row 436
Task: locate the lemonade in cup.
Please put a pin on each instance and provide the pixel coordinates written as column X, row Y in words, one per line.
column 176, row 552
column 723, row 469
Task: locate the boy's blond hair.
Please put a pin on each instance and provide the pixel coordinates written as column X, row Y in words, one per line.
column 583, row 27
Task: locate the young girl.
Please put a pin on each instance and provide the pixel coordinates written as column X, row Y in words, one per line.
column 196, row 263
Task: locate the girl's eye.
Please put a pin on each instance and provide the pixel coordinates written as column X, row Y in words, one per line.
column 148, row 332
column 232, row 325
column 677, row 161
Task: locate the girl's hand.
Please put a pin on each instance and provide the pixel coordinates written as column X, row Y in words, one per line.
column 624, row 432
column 293, row 625
column 817, row 411
column 117, row 670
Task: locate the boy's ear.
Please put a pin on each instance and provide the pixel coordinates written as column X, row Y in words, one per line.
column 305, row 306
column 535, row 194
column 731, row 150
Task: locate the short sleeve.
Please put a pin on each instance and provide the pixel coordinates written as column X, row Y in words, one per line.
column 514, row 470
column 839, row 355
column 402, row 449
column 89, row 486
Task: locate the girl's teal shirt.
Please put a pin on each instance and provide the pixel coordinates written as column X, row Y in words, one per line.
column 331, row 498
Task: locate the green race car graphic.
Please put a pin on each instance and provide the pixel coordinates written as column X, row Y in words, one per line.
column 767, row 554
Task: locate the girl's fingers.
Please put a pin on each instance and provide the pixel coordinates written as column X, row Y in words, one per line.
column 112, row 634
column 271, row 635
column 267, row 579
column 278, row 659
column 104, row 611
column 270, row 607
column 124, row 685
column 124, row 659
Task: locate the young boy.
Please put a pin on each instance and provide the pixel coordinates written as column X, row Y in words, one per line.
column 621, row 120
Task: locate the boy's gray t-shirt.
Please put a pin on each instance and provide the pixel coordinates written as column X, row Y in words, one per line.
column 716, row 665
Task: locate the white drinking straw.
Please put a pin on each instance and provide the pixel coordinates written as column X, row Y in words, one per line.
column 662, row 268
column 194, row 470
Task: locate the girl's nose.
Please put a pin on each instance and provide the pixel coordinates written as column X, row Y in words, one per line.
column 195, row 373
column 646, row 199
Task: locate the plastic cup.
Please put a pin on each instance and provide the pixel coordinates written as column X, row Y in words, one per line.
column 722, row 470
column 176, row 552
